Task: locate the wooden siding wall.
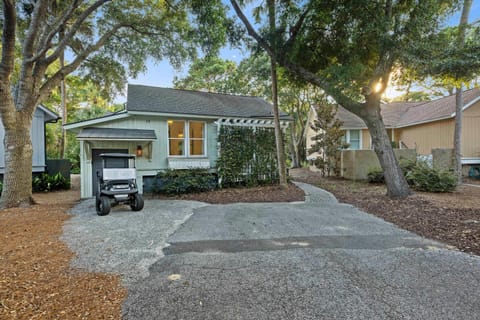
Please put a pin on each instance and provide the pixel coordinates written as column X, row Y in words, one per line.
column 428, row 136
column 439, row 134
column 366, row 143
column 37, row 133
column 471, row 132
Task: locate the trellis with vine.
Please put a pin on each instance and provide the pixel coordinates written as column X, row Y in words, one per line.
column 247, row 156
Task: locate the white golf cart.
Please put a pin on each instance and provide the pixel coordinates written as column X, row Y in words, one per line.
column 116, row 183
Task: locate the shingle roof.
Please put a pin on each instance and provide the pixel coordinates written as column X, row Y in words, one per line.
column 403, row 114
column 349, row 120
column 164, row 100
column 391, row 113
column 116, row 134
column 442, row 108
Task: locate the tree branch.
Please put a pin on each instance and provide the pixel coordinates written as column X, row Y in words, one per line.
column 79, row 59
column 44, row 43
column 251, row 31
column 32, row 32
column 8, row 40
column 73, row 30
column 296, row 28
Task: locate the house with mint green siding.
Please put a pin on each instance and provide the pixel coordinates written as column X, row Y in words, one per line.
column 166, row 129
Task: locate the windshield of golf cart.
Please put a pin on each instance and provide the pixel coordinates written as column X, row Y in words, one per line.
column 118, row 166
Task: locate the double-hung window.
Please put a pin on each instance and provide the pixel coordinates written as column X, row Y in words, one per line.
column 186, row 138
column 353, row 138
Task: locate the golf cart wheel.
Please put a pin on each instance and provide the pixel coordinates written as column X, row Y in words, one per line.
column 137, row 202
column 103, row 206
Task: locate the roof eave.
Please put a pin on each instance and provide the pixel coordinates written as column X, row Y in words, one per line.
column 54, row 117
column 468, row 105
column 114, row 139
column 423, row 122
column 86, row 123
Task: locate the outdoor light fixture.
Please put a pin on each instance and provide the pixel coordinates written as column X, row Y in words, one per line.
column 139, row 151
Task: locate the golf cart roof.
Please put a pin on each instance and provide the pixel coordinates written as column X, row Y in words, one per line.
column 117, row 155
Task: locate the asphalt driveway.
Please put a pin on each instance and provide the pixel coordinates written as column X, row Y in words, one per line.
column 312, row 260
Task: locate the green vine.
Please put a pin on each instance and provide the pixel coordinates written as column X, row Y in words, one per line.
column 247, row 156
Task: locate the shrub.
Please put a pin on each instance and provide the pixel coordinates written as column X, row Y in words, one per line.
column 424, row 178
column 375, row 175
column 45, row 182
column 420, row 176
column 184, row 181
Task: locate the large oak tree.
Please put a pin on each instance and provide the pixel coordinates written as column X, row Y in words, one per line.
column 101, row 38
column 349, row 49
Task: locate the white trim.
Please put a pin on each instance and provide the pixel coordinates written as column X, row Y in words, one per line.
column 360, row 142
column 49, row 112
column 422, row 122
column 186, row 139
column 87, row 123
column 468, row 105
column 114, row 139
column 470, row 160
column 248, row 122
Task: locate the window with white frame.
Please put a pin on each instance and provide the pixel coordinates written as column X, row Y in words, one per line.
column 353, row 138
column 182, row 144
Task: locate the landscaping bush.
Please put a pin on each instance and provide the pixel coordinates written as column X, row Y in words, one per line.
column 45, row 182
column 375, row 175
column 184, row 181
column 420, row 176
column 424, row 178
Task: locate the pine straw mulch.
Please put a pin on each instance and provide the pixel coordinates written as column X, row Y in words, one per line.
column 36, row 281
column 452, row 218
column 231, row 195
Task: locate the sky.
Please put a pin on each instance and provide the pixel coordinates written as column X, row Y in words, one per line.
column 161, row 74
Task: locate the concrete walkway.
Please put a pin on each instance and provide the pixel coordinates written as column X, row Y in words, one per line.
column 313, row 260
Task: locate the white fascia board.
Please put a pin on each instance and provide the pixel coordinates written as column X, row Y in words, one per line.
column 113, row 139
column 468, row 105
column 422, row 122
column 470, row 160
column 95, row 121
column 49, row 112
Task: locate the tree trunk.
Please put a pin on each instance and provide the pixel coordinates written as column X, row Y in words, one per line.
column 63, row 94
column 397, row 186
column 17, row 184
column 295, row 153
column 282, row 170
column 457, row 137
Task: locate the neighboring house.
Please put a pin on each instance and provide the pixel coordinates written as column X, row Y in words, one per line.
column 419, row 125
column 41, row 117
column 167, row 129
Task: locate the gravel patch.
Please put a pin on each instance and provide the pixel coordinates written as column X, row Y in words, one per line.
column 124, row 242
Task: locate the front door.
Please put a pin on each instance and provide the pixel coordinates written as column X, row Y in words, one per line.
column 97, row 164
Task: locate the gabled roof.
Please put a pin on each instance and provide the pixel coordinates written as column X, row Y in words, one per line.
column 404, row 114
column 142, row 98
column 443, row 108
column 391, row 114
